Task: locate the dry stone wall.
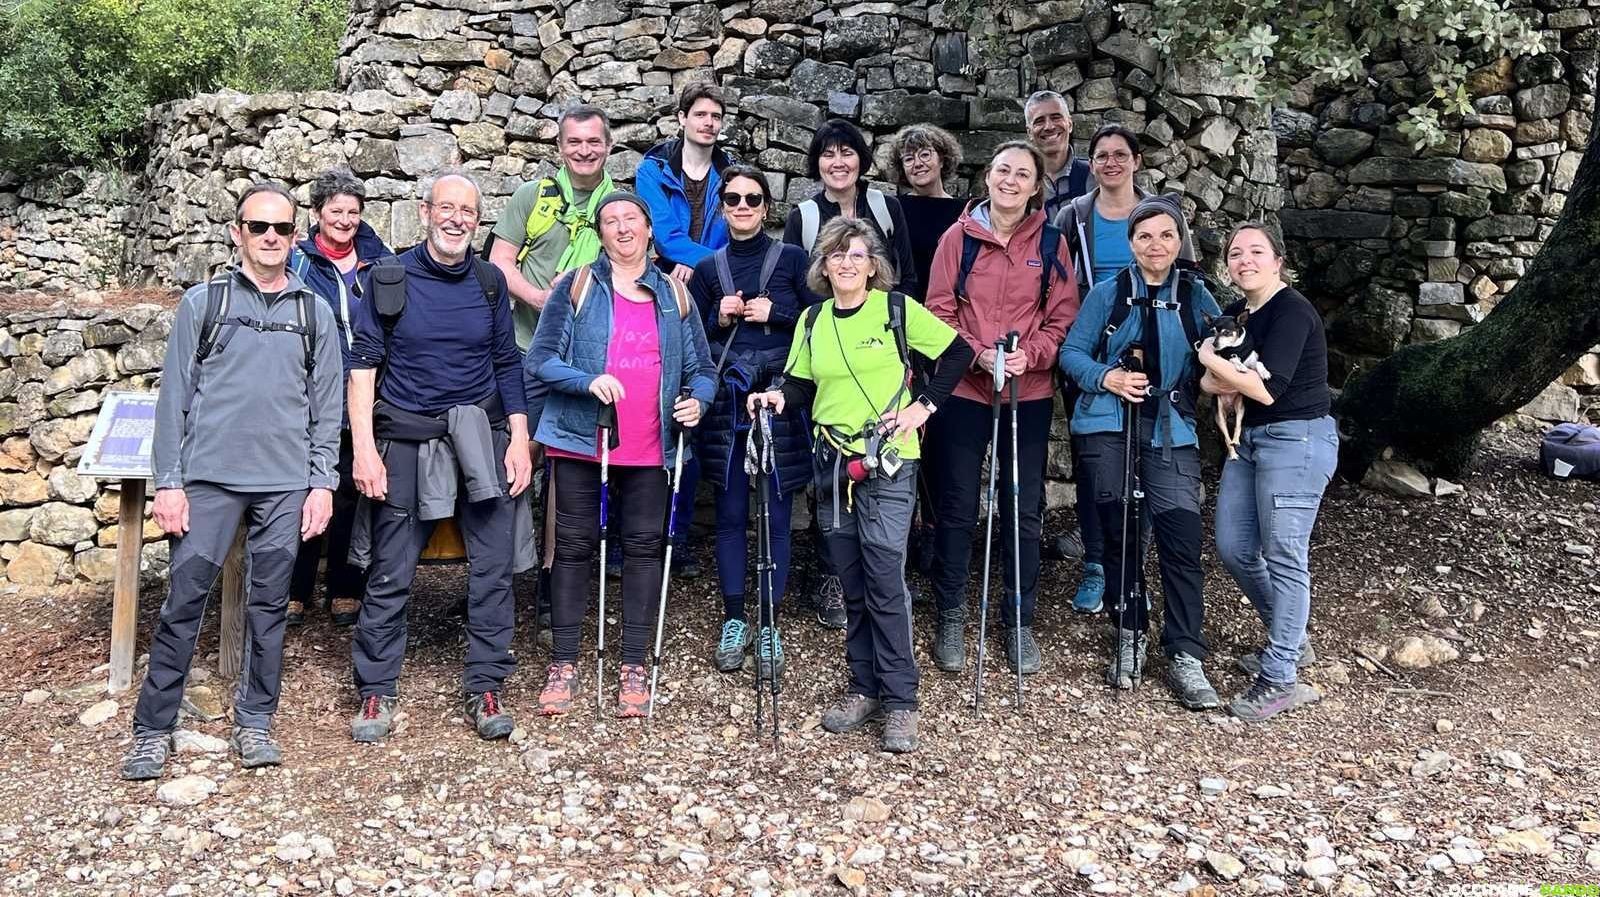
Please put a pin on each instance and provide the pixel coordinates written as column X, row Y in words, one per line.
column 58, row 364
column 65, row 230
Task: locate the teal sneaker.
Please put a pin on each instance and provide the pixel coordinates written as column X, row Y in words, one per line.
column 1091, row 591
column 769, row 651
column 731, row 647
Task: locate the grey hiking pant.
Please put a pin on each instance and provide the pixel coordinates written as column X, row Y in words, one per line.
column 272, row 539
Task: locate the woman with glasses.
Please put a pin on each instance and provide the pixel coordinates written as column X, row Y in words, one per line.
column 848, row 371
column 334, row 260
column 1095, row 226
column 750, row 295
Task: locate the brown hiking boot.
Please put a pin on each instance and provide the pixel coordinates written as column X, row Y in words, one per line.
column 849, row 713
column 634, row 699
column 560, row 681
column 344, row 611
column 296, row 614
column 900, row 731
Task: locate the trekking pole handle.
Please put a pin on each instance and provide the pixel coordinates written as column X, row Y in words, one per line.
column 1000, row 350
column 608, row 422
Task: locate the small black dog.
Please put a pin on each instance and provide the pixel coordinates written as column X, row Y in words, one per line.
column 1231, row 341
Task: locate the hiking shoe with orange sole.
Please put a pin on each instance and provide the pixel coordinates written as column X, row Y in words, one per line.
column 560, row 681
column 634, row 699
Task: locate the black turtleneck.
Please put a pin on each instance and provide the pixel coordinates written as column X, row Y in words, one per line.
column 787, row 289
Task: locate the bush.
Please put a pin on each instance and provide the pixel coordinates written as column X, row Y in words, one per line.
column 77, row 76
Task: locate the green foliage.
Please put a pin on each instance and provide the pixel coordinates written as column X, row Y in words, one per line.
column 1275, row 44
column 77, row 76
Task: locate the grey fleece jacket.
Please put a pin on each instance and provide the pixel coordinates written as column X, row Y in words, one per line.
column 1076, row 223
column 255, row 424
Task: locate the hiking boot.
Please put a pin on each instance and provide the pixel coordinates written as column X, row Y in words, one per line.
column 296, row 614
column 849, row 713
column 1030, row 650
column 1265, row 699
column 146, row 758
column 920, row 597
column 344, row 611
column 372, row 721
column 830, row 603
column 1063, row 548
column 684, row 564
column 255, row 747
column 900, row 731
column 1127, row 666
column 950, row 641
column 1091, row 590
column 633, row 700
column 1251, row 662
column 736, row 635
column 1187, row 679
column 769, row 653
column 488, row 715
column 560, row 682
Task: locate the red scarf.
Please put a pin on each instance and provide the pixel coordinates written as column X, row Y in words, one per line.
column 331, row 251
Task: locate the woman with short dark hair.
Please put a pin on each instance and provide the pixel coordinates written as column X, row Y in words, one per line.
column 334, row 261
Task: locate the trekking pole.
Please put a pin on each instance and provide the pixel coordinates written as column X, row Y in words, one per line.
column 988, row 536
column 1012, row 339
column 766, row 608
column 608, row 441
column 666, row 570
column 1136, row 596
column 1131, row 361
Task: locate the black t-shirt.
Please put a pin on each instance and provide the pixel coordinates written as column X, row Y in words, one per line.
column 1288, row 334
column 695, row 192
column 927, row 218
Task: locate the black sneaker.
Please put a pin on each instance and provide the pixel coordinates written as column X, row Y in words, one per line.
column 371, row 723
column 255, row 747
column 1031, row 659
column 147, row 758
column 1186, row 676
column 488, row 715
column 830, row 603
column 950, row 641
column 1062, row 548
column 731, row 647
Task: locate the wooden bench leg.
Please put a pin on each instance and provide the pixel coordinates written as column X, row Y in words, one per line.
column 125, row 591
column 230, row 644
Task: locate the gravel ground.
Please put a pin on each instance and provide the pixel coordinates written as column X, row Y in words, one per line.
column 1477, row 775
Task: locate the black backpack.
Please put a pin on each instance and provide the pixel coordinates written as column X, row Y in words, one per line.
column 389, row 294
column 217, row 329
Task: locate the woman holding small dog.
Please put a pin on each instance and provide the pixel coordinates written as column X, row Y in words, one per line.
column 1287, row 450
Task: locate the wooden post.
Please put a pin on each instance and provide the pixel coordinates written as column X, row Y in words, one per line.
column 230, row 642
column 125, row 594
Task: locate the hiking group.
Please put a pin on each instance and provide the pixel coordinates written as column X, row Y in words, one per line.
column 560, row 394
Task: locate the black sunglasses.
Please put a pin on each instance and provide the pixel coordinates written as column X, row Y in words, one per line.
column 753, row 200
column 257, row 228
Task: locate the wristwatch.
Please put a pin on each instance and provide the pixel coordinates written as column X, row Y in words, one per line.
column 927, row 403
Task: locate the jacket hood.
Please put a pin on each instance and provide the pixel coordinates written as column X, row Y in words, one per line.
column 975, row 221
column 669, row 155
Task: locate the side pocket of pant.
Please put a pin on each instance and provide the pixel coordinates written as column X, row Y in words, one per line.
column 1293, row 516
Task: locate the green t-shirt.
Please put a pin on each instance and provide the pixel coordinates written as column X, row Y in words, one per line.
column 853, row 360
column 539, row 266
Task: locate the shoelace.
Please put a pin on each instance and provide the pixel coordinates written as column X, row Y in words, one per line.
column 369, row 708
column 558, row 674
column 771, row 645
column 147, row 749
column 833, row 592
column 249, row 739
column 1258, row 690
column 732, row 635
column 633, row 678
column 491, row 704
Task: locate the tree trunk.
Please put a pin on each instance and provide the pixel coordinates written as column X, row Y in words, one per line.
column 1429, row 402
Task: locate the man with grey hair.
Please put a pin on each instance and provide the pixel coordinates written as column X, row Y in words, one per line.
column 1049, row 120
column 440, row 427
column 247, row 430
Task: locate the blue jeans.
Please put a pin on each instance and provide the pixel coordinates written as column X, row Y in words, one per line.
column 733, row 545
column 1266, row 507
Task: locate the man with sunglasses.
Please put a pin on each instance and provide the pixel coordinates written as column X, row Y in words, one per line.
column 247, row 430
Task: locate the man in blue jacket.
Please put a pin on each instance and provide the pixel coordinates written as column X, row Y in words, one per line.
column 681, row 181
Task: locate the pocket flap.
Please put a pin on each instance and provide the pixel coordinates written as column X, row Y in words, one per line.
column 1304, row 500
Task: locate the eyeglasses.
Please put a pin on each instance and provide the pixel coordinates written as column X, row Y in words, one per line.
column 257, row 228
column 445, row 211
column 753, row 200
column 855, row 257
column 1119, row 157
column 924, row 155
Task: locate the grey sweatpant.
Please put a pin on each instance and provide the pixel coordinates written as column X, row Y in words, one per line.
column 272, row 539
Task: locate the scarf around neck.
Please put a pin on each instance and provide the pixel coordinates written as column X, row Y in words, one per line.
column 583, row 234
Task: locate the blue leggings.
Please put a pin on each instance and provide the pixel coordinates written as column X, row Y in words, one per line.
column 734, row 546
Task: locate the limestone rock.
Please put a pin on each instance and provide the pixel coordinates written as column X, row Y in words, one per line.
column 14, row 524
column 65, row 485
column 35, row 564
column 1341, row 146
column 97, row 713
column 423, row 154
column 61, row 524
column 1421, row 652
column 96, row 564
column 186, row 791
column 1557, row 402
column 1397, row 478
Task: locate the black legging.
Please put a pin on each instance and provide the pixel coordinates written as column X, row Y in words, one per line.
column 638, row 504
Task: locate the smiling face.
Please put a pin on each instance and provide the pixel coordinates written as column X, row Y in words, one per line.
column 1013, row 179
column 1253, row 264
column 584, row 147
column 922, row 168
column 1050, row 127
column 267, row 251
column 339, row 218
column 624, row 233
column 1113, row 161
column 850, row 269
column 702, row 123
column 744, row 220
column 451, row 216
column 1155, row 245
column 840, row 167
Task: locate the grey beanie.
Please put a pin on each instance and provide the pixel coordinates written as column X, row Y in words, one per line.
column 623, row 196
column 1160, row 204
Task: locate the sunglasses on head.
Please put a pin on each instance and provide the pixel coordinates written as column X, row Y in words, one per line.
column 753, row 200
column 257, row 228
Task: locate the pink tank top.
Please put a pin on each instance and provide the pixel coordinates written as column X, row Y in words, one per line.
column 634, row 358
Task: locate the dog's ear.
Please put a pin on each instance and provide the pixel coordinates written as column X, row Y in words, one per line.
column 1242, row 316
column 1209, row 318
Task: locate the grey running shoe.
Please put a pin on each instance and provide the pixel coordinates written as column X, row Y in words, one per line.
column 1251, row 662
column 900, row 731
column 1030, row 650
column 488, row 715
column 255, row 747
column 371, row 723
column 769, row 653
column 1187, row 679
column 735, row 641
column 1264, row 699
column 830, row 603
column 1127, row 662
column 147, row 758
column 849, row 713
column 950, row 641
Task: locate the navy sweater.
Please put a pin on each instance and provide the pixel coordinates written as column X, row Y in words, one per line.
column 449, row 347
column 787, row 289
